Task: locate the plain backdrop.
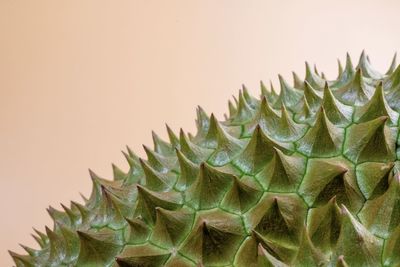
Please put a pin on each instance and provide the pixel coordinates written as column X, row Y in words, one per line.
column 79, row 80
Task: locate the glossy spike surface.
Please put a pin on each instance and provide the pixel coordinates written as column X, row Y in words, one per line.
column 306, row 176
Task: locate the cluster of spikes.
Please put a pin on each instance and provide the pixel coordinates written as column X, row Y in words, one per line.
column 306, row 177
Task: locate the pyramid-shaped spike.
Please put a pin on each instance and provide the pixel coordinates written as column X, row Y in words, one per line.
column 95, row 195
column 157, row 161
column 346, row 75
column 244, row 111
column 118, row 174
column 85, row 213
column 217, row 135
column 258, row 152
column 39, row 241
column 232, row 110
column 283, row 173
column 313, row 97
column 171, row 227
column 111, row 211
column 149, row 200
column 57, row 249
column 313, row 79
column 356, row 92
column 266, row 118
column 123, row 191
column 366, row 67
column 338, row 113
column 188, row 171
column 373, row 178
column 74, row 217
column 214, row 239
column 241, row 196
column 270, row 95
column 202, row 123
column 317, row 187
column 308, row 254
column 288, row 95
column 58, row 216
column 305, row 114
column 173, row 139
column 393, row 65
column 390, row 256
column 297, row 82
column 287, row 130
column 227, row 145
column 131, row 158
column 382, row 214
column 135, row 173
column 131, row 153
column 340, row 69
column 251, row 101
column 22, row 260
column 393, row 80
column 257, row 251
column 266, row 259
column 209, row 188
column 41, row 238
column 156, row 180
column 323, row 139
column 356, row 244
column 31, row 252
column 160, row 146
column 376, row 107
column 137, row 232
column 98, row 248
column 324, row 224
column 316, row 70
column 278, row 217
column 144, row 255
column 192, row 151
column 70, row 243
column 274, row 94
column 281, row 251
column 370, row 141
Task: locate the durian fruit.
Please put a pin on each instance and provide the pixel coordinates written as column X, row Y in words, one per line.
column 306, row 177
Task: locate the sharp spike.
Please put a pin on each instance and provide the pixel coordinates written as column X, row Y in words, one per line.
column 323, row 139
column 283, row 173
column 393, row 65
column 313, row 79
column 258, row 152
column 188, row 171
column 376, row 107
column 370, row 141
column 227, row 145
column 313, row 97
column 356, row 244
column 209, row 188
column 336, row 112
column 367, row 69
column 317, row 187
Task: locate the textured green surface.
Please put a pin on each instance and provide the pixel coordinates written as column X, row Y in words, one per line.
column 306, row 177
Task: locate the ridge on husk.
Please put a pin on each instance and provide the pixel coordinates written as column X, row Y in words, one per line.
column 308, row 176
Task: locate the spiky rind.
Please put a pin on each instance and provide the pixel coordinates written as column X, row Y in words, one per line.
column 306, row 177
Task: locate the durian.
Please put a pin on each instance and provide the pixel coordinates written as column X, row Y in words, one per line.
column 308, row 176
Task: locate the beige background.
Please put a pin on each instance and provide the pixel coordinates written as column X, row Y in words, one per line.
column 81, row 79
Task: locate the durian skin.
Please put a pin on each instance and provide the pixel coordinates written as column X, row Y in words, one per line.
column 306, row 177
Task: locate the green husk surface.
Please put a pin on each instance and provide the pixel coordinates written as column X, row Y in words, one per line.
column 308, row 176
